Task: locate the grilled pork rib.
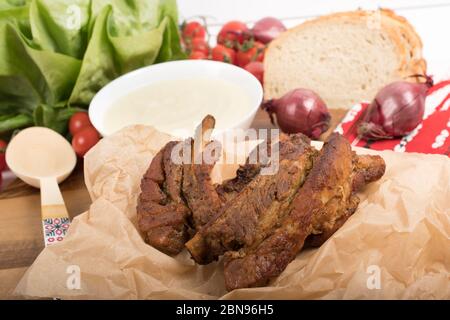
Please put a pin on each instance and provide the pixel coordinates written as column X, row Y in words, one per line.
column 320, row 206
column 253, row 213
column 162, row 212
column 259, row 222
column 366, row 169
column 178, row 199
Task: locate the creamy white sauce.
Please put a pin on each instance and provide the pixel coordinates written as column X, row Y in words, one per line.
column 178, row 106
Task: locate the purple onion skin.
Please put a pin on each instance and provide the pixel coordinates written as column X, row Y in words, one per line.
column 397, row 109
column 267, row 29
column 300, row 110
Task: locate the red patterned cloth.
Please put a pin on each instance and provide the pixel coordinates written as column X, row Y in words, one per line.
column 431, row 136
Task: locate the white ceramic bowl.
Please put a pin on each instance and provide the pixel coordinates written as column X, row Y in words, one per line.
column 175, row 70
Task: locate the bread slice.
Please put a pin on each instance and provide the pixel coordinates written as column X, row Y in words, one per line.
column 413, row 43
column 344, row 57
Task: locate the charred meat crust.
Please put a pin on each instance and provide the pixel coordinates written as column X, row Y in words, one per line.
column 177, row 199
column 316, row 240
column 252, row 214
column 259, row 222
column 247, row 172
column 199, row 192
column 367, row 169
column 257, row 159
column 230, row 188
column 325, row 197
column 162, row 213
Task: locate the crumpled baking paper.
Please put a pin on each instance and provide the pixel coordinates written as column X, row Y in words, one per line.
column 395, row 246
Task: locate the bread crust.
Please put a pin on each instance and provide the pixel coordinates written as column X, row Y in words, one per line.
column 416, row 64
column 407, row 42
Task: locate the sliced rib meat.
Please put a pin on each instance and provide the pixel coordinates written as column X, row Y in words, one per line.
column 161, row 210
column 177, row 199
column 200, row 194
column 325, row 197
column 366, row 169
column 253, row 213
column 256, row 160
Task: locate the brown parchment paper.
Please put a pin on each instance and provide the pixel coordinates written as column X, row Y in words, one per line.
column 401, row 232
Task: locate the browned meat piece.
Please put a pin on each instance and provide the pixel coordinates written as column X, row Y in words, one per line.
column 198, row 190
column 316, row 240
column 200, row 193
column 366, row 169
column 325, row 197
column 253, row 213
column 231, row 188
column 177, row 199
column 245, row 173
column 162, row 213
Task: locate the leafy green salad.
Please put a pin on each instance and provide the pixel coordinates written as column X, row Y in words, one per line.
column 56, row 54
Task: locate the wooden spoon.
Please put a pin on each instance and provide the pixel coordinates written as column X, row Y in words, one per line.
column 42, row 158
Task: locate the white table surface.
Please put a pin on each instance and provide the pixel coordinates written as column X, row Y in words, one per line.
column 431, row 18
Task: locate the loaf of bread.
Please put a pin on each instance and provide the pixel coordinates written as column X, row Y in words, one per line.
column 344, row 57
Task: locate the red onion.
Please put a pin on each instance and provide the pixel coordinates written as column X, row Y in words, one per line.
column 267, row 29
column 300, row 110
column 396, row 110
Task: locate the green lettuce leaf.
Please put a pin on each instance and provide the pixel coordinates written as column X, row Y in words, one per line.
column 56, row 54
column 12, row 122
column 60, row 26
column 126, row 35
column 29, row 77
column 53, row 118
column 99, row 66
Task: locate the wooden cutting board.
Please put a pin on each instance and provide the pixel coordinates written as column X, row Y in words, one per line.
column 21, row 238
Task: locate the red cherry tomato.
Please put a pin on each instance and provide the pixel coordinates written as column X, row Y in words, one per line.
column 84, row 140
column 224, row 54
column 78, row 122
column 3, row 145
column 197, row 55
column 193, row 29
column 256, row 68
column 199, row 44
column 233, row 33
column 249, row 52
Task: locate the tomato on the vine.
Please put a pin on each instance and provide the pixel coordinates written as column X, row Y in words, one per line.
column 224, row 54
column 250, row 51
column 193, row 29
column 233, row 33
column 199, row 44
column 197, row 55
